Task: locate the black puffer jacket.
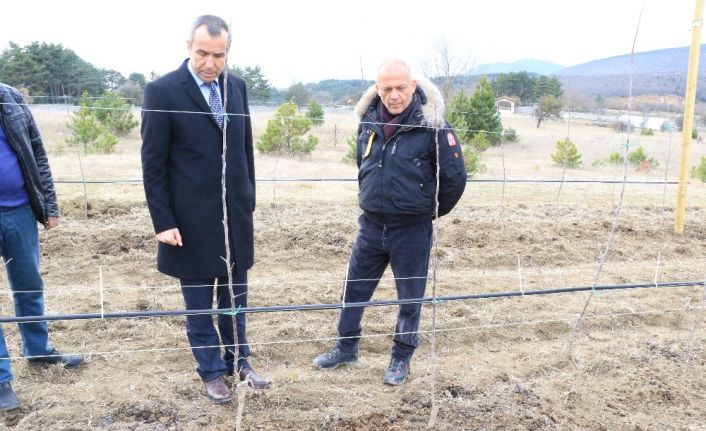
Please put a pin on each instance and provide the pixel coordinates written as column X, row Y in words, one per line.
column 397, row 176
column 24, row 138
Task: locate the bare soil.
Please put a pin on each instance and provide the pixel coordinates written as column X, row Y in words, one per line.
column 636, row 362
column 499, row 363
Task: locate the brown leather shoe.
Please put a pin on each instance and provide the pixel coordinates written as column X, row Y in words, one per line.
column 254, row 380
column 217, row 390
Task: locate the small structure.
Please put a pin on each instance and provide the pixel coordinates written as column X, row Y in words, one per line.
column 506, row 103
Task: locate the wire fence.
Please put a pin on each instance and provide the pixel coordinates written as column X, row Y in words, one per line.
column 335, row 306
column 519, row 294
column 355, row 180
column 439, row 330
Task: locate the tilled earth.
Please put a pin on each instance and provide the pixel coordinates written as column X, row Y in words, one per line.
column 635, row 362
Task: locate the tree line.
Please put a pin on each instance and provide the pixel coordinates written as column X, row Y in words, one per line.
column 528, row 89
column 52, row 73
column 56, row 74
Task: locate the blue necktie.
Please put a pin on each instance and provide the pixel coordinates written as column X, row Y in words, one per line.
column 214, row 102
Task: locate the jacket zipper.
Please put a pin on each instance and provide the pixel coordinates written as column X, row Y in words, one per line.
column 394, row 145
column 382, row 157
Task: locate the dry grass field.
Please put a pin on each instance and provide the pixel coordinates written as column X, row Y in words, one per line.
column 503, row 364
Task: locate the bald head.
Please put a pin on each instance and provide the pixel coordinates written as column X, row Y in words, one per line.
column 395, row 85
column 394, row 66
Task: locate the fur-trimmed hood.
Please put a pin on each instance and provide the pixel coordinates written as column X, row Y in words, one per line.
column 431, row 101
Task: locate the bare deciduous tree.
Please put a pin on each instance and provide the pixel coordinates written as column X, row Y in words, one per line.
column 446, row 65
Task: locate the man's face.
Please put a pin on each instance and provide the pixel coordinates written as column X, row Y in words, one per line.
column 396, row 88
column 208, row 54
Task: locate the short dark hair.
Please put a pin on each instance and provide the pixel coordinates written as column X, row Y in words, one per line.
column 214, row 26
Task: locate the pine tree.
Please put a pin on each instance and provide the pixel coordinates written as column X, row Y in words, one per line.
column 87, row 132
column 315, row 113
column 114, row 113
column 470, row 115
column 458, row 116
column 566, row 154
column 285, row 133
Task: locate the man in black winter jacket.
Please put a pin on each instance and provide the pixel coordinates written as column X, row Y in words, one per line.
column 409, row 160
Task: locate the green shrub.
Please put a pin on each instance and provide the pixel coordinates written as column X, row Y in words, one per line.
column 300, row 147
column 285, row 133
column 638, row 156
column 700, row 170
column 85, row 128
column 315, row 113
column 480, row 142
column 106, row 143
column 615, row 158
column 647, row 132
column 114, row 113
column 87, row 132
column 352, row 143
column 472, row 161
column 510, row 135
column 566, row 154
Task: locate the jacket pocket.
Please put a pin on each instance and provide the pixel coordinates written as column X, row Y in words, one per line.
column 368, row 185
column 413, row 186
column 17, row 122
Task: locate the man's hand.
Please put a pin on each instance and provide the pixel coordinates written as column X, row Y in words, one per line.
column 171, row 237
column 51, row 223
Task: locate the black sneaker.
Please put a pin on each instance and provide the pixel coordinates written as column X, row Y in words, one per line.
column 8, row 398
column 56, row 357
column 396, row 373
column 334, row 358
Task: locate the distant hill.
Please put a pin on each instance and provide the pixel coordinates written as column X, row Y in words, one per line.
column 662, row 61
column 654, row 72
column 527, row 65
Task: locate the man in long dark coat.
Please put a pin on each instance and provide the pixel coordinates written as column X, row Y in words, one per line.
column 182, row 133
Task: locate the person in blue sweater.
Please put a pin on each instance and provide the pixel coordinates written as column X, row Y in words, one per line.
column 26, row 197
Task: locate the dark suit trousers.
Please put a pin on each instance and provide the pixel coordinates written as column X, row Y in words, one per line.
column 203, row 337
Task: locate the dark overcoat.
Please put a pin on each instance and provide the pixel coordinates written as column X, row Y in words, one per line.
column 181, row 164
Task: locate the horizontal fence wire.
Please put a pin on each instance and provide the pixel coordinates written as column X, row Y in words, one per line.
column 334, row 306
column 350, row 180
column 636, row 120
column 529, row 272
column 569, row 116
column 427, row 332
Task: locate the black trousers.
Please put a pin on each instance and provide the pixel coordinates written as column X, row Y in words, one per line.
column 406, row 250
column 203, row 337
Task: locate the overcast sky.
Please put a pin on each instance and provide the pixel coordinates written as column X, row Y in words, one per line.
column 313, row 40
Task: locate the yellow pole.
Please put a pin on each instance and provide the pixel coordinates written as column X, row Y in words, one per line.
column 689, row 101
